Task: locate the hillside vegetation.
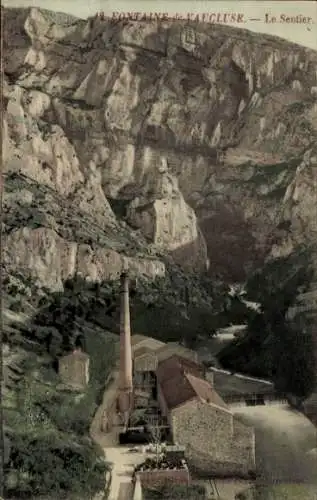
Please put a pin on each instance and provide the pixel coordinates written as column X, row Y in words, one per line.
column 275, row 347
column 47, row 424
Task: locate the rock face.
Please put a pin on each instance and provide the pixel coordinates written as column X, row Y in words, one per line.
column 193, row 140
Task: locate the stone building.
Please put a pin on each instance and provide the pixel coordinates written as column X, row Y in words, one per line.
column 215, row 441
column 144, row 360
column 144, row 368
column 74, row 369
column 170, row 367
column 174, row 348
column 237, row 389
column 138, row 341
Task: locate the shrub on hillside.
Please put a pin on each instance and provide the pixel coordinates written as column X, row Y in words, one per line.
column 69, row 415
column 50, row 454
column 52, row 464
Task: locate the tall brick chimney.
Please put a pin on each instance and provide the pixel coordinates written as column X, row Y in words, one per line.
column 125, row 379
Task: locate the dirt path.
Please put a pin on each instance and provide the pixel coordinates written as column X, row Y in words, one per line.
column 123, row 466
column 122, row 460
column 104, row 439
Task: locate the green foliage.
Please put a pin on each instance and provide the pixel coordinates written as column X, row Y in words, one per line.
column 277, row 285
column 179, row 306
column 44, row 460
column 52, row 463
column 51, row 452
column 294, row 361
column 275, row 347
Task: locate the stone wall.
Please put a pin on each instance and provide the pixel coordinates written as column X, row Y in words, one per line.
column 203, row 465
column 154, row 478
column 145, row 363
column 242, row 448
column 216, row 443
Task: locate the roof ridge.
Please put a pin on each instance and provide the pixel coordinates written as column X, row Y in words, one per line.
column 189, row 376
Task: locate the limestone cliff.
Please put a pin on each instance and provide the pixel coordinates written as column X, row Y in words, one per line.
column 138, row 139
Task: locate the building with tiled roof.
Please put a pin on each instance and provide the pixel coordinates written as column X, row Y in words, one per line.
column 148, row 352
column 201, row 421
column 184, row 387
column 169, row 367
column 180, row 381
column 167, row 383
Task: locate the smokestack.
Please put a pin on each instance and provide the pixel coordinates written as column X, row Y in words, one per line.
column 125, row 381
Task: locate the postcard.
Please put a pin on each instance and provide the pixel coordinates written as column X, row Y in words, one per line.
column 159, row 250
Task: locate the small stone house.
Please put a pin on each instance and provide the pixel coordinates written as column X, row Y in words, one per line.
column 74, row 369
column 215, row 441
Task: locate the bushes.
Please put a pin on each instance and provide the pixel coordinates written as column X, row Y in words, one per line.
column 51, row 463
column 69, row 415
column 176, row 492
column 50, row 454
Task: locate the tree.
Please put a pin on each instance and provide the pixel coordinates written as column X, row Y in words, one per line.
column 274, row 347
column 156, row 438
column 295, row 367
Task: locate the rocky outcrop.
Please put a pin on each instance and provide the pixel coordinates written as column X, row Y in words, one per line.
column 54, row 238
column 200, row 137
column 53, row 259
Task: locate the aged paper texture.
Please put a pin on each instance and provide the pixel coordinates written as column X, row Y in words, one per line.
column 159, row 250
